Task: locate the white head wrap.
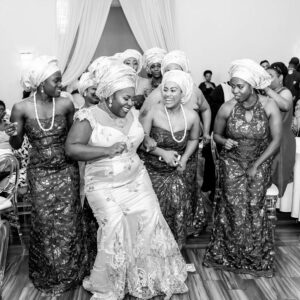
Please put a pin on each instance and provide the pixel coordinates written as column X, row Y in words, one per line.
column 131, row 53
column 251, row 72
column 153, row 56
column 183, row 79
column 100, row 62
column 86, row 81
column 114, row 77
column 176, row 57
column 38, row 71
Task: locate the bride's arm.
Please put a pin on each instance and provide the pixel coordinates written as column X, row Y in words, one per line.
column 77, row 147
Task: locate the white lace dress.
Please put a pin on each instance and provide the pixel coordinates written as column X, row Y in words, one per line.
column 137, row 253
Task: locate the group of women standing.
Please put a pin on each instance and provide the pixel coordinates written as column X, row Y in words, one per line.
column 143, row 203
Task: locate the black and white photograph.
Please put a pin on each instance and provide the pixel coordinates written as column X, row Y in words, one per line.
column 149, row 150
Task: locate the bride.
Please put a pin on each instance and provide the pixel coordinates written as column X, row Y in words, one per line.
column 137, row 253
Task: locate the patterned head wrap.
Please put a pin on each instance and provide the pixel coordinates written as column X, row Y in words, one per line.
column 184, row 81
column 113, row 77
column 251, row 72
column 86, row 81
column 38, row 71
column 131, row 53
column 153, row 56
column 176, row 57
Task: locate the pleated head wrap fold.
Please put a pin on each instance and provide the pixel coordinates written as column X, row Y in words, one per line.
column 113, row 77
column 251, row 72
column 184, row 81
column 176, row 57
column 86, row 80
column 131, row 53
column 39, row 69
column 153, row 56
column 101, row 62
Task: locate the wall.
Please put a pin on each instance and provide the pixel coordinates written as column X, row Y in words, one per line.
column 24, row 25
column 212, row 32
column 215, row 32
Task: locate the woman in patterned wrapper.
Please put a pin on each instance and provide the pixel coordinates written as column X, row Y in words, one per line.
column 57, row 262
column 249, row 129
column 137, row 252
column 174, row 133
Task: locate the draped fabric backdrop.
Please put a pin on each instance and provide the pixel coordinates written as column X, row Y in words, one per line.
column 151, row 22
column 90, row 30
column 68, row 17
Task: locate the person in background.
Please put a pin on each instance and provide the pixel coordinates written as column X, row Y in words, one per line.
column 207, row 86
column 57, row 260
column 249, row 128
column 87, row 89
column 4, row 138
column 134, row 59
column 152, row 63
column 137, row 253
column 265, row 64
column 177, row 60
column 292, row 79
column 283, row 164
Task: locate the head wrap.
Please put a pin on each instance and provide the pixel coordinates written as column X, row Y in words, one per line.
column 176, row 57
column 131, row 53
column 86, row 81
column 113, row 77
column 153, row 56
column 184, row 81
column 100, row 62
column 38, row 71
column 251, row 72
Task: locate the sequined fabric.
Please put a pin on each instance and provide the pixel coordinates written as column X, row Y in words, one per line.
column 241, row 239
column 179, row 201
column 57, row 260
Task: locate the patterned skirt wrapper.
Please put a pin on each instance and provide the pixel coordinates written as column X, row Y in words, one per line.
column 57, row 255
column 241, row 239
column 179, row 197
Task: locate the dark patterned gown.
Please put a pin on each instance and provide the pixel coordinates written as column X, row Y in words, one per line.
column 57, row 260
column 176, row 192
column 241, row 239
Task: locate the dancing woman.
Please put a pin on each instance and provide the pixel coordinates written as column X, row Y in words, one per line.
column 248, row 127
column 57, row 261
column 137, row 252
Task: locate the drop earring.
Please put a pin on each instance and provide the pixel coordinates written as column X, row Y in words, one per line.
column 42, row 89
column 110, row 103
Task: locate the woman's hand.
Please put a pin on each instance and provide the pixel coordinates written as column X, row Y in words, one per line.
column 11, row 128
column 171, row 158
column 181, row 165
column 229, row 144
column 251, row 172
column 149, row 143
column 117, row 149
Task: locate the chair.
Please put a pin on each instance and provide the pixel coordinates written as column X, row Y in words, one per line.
column 9, row 178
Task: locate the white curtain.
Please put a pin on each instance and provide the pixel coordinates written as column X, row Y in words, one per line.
column 91, row 26
column 151, row 22
column 68, row 18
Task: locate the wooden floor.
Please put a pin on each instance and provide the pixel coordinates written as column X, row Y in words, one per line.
column 204, row 284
